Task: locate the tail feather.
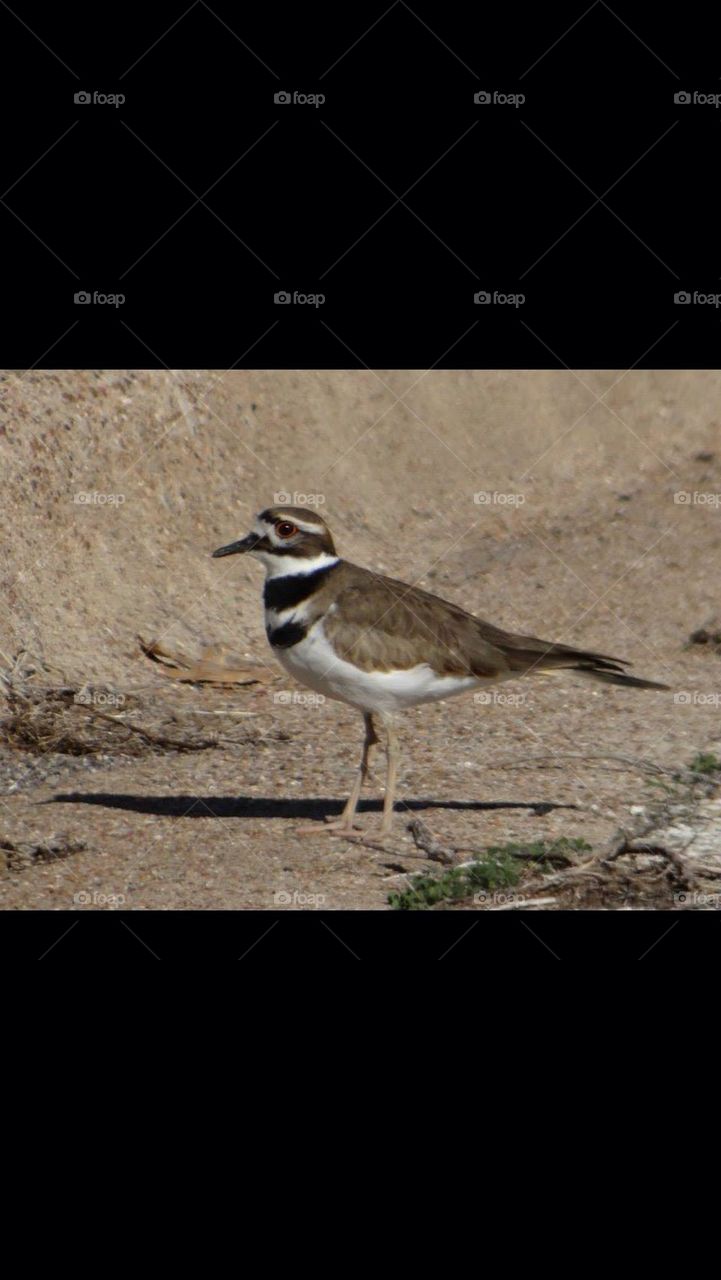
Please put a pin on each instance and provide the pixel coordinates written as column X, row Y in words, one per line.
column 535, row 655
column 617, row 677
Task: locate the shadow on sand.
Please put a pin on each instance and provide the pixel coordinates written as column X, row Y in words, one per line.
column 267, row 807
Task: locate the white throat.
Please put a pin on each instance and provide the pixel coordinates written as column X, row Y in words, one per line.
column 280, row 566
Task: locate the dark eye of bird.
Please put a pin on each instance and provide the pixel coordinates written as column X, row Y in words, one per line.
column 285, row 529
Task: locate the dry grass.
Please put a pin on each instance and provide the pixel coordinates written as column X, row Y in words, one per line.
column 68, row 721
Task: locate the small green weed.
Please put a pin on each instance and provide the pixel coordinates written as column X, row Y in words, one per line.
column 499, row 867
column 705, row 762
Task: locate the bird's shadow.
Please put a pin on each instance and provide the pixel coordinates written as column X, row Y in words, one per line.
column 184, row 806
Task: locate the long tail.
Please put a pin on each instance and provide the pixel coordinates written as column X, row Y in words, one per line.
column 617, row 677
column 527, row 654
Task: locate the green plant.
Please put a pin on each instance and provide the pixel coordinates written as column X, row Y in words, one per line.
column 497, row 867
column 544, row 853
column 705, row 762
column 496, row 871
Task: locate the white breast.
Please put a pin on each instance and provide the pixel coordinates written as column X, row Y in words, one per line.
column 314, row 663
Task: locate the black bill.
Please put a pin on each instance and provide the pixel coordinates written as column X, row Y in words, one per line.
column 237, row 548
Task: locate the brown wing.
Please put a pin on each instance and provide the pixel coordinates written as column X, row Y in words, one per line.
column 385, row 624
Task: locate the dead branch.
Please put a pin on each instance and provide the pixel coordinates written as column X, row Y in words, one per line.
column 632, row 762
column 157, row 739
column 424, row 840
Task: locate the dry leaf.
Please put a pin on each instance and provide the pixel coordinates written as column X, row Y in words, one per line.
column 217, row 664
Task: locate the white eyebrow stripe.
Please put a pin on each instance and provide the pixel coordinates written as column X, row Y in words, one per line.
column 305, row 526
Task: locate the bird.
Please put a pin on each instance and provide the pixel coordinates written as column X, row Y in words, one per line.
column 381, row 645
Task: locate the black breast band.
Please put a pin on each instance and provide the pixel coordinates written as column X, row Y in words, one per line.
column 287, row 635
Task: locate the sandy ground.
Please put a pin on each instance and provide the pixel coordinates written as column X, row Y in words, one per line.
column 117, row 487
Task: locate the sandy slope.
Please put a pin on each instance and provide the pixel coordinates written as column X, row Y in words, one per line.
column 584, row 544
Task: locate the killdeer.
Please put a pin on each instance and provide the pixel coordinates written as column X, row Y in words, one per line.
column 382, row 645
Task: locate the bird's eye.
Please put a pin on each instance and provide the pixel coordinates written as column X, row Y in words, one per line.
column 285, row 529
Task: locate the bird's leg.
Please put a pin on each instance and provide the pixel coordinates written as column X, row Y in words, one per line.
column 391, row 775
column 345, row 825
column 369, row 741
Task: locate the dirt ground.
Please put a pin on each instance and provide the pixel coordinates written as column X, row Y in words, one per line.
column 543, row 501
